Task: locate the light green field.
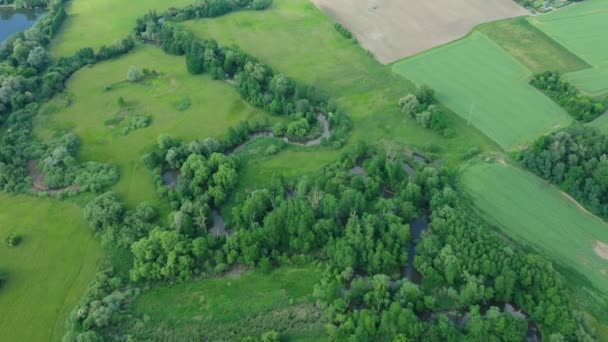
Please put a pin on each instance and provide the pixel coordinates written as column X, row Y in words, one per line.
column 532, row 47
column 297, row 39
column 215, row 106
column 252, row 299
column 582, row 28
column 600, row 123
column 93, row 23
column 48, row 272
column 481, row 82
column 534, row 213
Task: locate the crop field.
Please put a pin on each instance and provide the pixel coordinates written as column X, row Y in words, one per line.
column 183, row 105
column 367, row 90
column 48, row 271
column 395, row 29
column 582, row 28
column 252, row 299
column 93, row 23
column 532, row 212
column 486, row 86
column 532, row 47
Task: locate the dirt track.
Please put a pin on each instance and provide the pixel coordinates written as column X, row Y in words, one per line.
column 395, row 29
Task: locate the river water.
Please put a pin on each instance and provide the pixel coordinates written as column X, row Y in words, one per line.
column 16, row 20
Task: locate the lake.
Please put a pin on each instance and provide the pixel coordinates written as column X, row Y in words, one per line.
column 16, row 20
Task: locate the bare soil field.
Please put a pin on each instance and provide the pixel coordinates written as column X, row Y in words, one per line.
column 395, row 29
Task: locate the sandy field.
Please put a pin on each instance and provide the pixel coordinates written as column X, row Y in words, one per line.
column 395, row 29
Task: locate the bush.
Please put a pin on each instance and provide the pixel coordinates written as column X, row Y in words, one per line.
column 134, row 74
column 259, row 5
column 13, row 240
column 271, row 150
column 343, row 31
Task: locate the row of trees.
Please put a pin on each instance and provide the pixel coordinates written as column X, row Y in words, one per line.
column 583, row 108
column 576, row 160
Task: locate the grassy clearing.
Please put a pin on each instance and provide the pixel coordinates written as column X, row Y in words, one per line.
column 297, row 39
column 485, row 85
column 582, row 28
column 532, row 47
column 48, row 272
column 537, row 214
column 245, row 302
column 182, row 105
column 600, row 123
column 93, row 23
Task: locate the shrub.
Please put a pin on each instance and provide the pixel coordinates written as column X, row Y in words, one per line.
column 13, row 240
column 271, row 150
column 134, row 74
column 343, row 31
column 259, row 5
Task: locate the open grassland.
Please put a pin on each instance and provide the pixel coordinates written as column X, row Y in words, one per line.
column 93, row 23
column 395, row 29
column 582, row 28
column 244, row 302
column 537, row 214
column 182, row 105
column 297, row 39
column 600, row 123
column 532, row 47
column 481, row 82
column 48, row 272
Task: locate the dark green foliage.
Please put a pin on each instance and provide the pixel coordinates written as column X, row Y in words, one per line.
column 575, row 160
column 582, row 108
column 343, row 31
column 13, row 239
column 421, row 106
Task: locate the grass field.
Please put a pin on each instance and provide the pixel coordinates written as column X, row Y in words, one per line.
column 244, row 301
column 477, row 79
column 600, row 123
column 214, row 106
column 537, row 214
column 93, row 23
column 532, row 47
column 366, row 89
column 582, row 28
column 48, row 272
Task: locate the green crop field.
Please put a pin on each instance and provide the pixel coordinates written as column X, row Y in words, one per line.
column 600, row 123
column 532, row 47
column 48, row 272
column 481, row 82
column 537, row 214
column 367, row 90
column 252, row 299
column 214, row 106
column 582, row 28
column 93, row 23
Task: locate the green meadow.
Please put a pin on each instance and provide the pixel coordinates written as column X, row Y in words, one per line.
column 537, row 214
column 48, row 272
column 236, row 302
column 297, row 39
column 185, row 106
column 581, row 28
column 486, row 86
column 93, row 23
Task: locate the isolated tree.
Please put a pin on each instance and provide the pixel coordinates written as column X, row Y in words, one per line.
column 134, row 74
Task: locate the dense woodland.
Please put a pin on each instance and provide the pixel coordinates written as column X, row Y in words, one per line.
column 574, row 159
column 581, row 107
column 356, row 224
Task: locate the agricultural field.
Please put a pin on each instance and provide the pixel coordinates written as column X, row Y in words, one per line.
column 242, row 302
column 367, row 90
column 187, row 107
column 396, row 29
column 488, row 88
column 581, row 28
column 93, row 23
column 48, row 271
column 531, row 211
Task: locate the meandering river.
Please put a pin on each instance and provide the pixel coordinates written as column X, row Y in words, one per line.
column 16, row 20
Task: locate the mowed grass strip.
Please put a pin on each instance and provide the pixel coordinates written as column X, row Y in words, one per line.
column 582, row 28
column 93, row 23
column 233, row 299
column 48, row 272
column 531, row 211
column 297, row 39
column 213, row 107
column 532, row 47
column 486, row 86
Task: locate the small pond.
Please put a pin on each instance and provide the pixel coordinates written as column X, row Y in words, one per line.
column 16, row 20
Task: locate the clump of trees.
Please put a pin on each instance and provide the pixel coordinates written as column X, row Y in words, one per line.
column 343, row 31
column 422, row 107
column 581, row 107
column 574, row 159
